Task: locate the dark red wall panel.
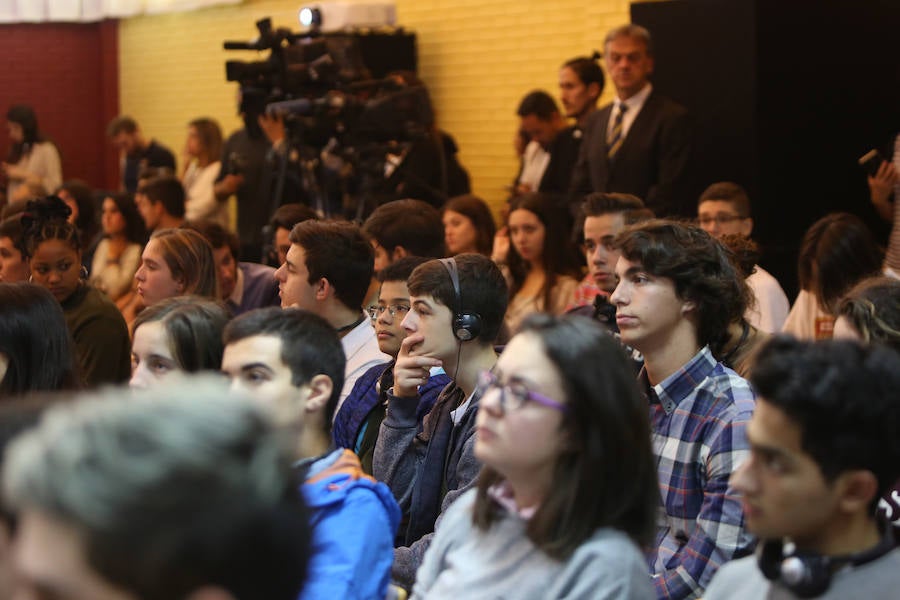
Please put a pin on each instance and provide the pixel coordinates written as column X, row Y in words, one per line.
column 69, row 74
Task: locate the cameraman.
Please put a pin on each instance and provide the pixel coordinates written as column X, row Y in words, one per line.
column 428, row 168
column 247, row 174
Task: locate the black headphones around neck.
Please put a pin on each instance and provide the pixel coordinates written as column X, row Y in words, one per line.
column 809, row 575
column 466, row 326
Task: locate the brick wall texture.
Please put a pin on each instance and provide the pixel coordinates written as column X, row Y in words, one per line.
column 478, row 58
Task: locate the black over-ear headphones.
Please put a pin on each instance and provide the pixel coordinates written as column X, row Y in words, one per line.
column 809, row 575
column 466, row 326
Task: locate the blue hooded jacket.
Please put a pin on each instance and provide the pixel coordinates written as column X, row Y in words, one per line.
column 354, row 520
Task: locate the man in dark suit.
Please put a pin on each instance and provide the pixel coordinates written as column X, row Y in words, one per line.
column 553, row 149
column 640, row 143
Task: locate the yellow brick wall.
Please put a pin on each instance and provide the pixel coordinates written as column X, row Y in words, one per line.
column 478, row 57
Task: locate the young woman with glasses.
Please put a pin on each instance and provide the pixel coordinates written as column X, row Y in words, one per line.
column 569, row 488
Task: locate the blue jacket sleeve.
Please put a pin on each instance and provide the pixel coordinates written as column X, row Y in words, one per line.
column 352, row 549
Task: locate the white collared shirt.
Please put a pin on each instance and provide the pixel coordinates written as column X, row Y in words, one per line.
column 534, row 163
column 634, row 104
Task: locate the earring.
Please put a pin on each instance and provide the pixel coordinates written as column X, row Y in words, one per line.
column 31, row 279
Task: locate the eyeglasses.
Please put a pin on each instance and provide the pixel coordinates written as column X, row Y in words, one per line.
column 721, row 219
column 514, row 395
column 393, row 310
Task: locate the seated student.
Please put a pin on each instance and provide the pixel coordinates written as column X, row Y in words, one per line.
column 243, row 286
column 16, row 416
column 327, row 272
column 178, row 335
column 402, row 228
column 457, row 311
column 825, row 445
column 176, row 262
column 160, row 201
column 292, row 362
column 568, row 492
column 542, row 262
column 100, row 334
column 837, row 251
column 36, row 352
column 724, row 209
column 79, row 197
column 279, row 228
column 604, row 216
column 357, row 424
column 182, row 492
column 468, row 226
column 118, row 253
column 13, row 254
column 870, row 313
column 678, row 291
column 737, row 349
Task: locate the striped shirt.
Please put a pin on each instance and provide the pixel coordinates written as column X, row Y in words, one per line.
column 698, row 420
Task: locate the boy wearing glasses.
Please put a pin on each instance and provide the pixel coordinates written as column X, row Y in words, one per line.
column 456, row 311
column 724, row 209
column 357, row 424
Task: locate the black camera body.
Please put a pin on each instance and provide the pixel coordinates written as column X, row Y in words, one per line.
column 342, row 110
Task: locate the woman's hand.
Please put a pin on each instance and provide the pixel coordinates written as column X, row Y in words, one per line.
column 501, row 246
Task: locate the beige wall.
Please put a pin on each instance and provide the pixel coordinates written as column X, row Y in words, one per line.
column 478, row 57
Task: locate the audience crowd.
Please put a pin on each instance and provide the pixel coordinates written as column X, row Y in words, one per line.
column 596, row 399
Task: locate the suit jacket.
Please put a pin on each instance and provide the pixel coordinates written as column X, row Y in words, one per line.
column 651, row 163
column 563, row 156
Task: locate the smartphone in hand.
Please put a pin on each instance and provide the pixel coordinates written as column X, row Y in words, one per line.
column 870, row 161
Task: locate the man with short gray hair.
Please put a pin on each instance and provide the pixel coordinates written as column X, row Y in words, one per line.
column 173, row 494
column 640, row 143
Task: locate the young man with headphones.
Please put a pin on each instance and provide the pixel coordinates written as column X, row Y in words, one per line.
column 824, row 447
column 457, row 307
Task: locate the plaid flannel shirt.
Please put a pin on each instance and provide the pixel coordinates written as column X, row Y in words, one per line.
column 698, row 420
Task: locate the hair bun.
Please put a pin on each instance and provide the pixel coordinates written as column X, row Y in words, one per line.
column 44, row 210
column 596, row 55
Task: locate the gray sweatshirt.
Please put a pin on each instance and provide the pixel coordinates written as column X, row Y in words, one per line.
column 424, row 475
column 742, row 580
column 502, row 563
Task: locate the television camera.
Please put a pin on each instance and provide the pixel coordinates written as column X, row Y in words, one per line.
column 341, row 124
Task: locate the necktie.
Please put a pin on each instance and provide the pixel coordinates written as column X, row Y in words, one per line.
column 615, row 136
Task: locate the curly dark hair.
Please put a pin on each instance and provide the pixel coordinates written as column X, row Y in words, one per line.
column 843, row 397
column 702, row 268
